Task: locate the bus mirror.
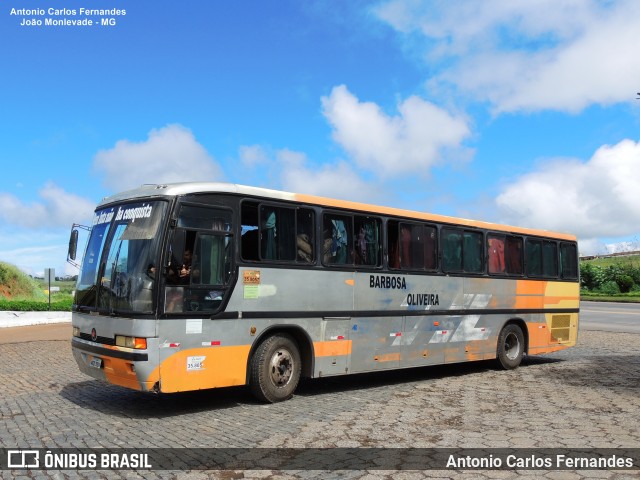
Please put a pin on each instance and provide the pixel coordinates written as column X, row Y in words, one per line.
column 73, row 244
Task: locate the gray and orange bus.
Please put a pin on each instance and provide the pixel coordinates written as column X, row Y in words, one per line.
column 203, row 285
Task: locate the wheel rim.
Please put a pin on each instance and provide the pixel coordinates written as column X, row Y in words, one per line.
column 281, row 367
column 512, row 346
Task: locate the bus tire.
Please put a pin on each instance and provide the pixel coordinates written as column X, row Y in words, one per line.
column 275, row 369
column 510, row 346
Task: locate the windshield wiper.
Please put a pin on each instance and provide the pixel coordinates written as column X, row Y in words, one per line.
column 84, row 301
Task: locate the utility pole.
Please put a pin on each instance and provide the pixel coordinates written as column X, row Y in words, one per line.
column 49, row 273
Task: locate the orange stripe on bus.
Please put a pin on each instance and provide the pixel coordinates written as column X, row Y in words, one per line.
column 540, row 294
column 387, row 357
column 529, row 287
column 549, row 349
column 331, row 202
column 332, row 348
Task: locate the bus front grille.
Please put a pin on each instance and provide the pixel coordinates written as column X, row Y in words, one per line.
column 102, row 340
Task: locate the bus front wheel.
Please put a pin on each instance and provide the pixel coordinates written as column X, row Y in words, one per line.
column 275, row 369
column 510, row 346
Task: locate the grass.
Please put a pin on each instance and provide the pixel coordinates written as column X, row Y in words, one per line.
column 633, row 297
column 20, row 292
column 604, row 262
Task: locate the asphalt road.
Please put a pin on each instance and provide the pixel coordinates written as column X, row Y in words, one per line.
column 610, row 317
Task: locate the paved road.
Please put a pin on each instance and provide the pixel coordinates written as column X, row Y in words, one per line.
column 610, row 317
column 586, row 397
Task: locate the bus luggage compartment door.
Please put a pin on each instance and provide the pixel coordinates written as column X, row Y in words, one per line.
column 333, row 353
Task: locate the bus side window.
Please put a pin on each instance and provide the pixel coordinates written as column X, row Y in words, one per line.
column 542, row 258
column 496, row 254
column 394, row 245
column 337, row 235
column 514, row 256
column 412, row 246
column 504, row 255
column 462, row 251
column 568, row 261
column 304, row 235
column 533, row 254
column 278, row 238
column 430, row 248
column 367, row 241
column 451, row 250
column 472, row 252
column 249, row 234
column 271, row 232
column 550, row 259
column 408, row 238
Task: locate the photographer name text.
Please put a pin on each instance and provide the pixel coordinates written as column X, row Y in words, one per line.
column 67, row 17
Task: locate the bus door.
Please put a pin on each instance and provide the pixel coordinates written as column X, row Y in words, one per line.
column 197, row 278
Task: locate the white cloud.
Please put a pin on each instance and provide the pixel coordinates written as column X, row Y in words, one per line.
column 253, row 156
column 598, row 198
column 338, row 180
column 57, row 208
column 34, row 249
column 33, row 260
column 409, row 143
column 291, row 171
column 526, row 55
column 170, row 154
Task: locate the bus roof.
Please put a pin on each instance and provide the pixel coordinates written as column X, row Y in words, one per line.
column 186, row 188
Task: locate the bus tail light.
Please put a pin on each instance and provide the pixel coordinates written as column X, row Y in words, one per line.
column 131, row 342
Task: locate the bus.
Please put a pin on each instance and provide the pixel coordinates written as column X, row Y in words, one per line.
column 193, row 286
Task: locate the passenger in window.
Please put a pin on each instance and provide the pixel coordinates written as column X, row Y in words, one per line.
column 339, row 242
column 304, row 236
column 304, row 247
column 361, row 247
column 185, row 271
column 179, row 273
column 269, row 237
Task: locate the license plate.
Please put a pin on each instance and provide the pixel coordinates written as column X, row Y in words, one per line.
column 95, row 363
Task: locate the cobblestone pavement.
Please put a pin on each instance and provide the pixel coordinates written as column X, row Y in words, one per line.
column 585, row 397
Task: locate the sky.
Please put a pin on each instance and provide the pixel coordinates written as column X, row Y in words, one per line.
column 525, row 113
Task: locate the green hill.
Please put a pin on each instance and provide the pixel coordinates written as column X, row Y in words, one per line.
column 19, row 291
column 15, row 285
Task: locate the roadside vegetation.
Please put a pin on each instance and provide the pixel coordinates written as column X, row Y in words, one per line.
column 20, row 292
column 611, row 279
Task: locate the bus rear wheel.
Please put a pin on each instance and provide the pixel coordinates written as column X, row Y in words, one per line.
column 510, row 346
column 275, row 369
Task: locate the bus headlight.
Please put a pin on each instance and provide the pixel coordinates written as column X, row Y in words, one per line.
column 76, row 331
column 131, row 342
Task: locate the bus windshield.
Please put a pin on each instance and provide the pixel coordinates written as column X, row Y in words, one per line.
column 119, row 270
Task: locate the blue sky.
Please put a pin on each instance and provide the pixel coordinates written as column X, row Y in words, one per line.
column 516, row 112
